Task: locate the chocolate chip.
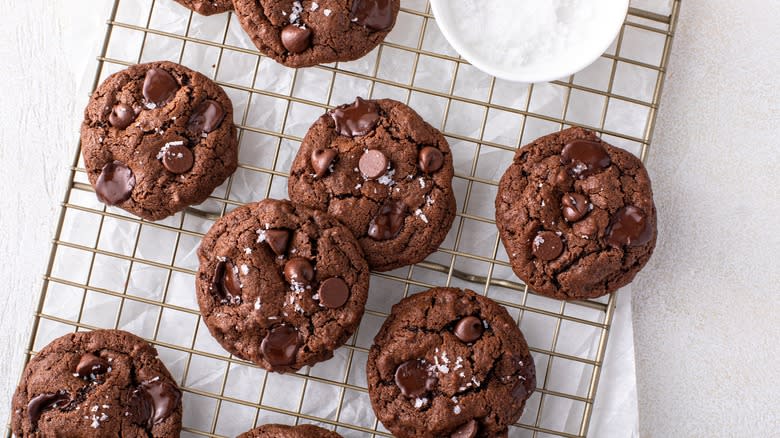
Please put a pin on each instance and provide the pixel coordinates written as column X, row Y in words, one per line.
column 43, row 402
column 280, row 345
column 468, row 430
column 321, row 160
column 91, row 366
column 159, row 87
column 115, row 183
column 333, row 293
column 206, row 117
column 469, row 329
column 373, row 164
column 177, row 158
column 629, row 226
column 430, row 159
column 376, row 15
column 574, row 206
column 277, row 240
column 547, row 245
column 583, row 158
column 121, row 116
column 414, row 379
column 153, row 401
column 298, row 271
column 226, row 284
column 387, row 224
column 296, row 38
column 357, row 119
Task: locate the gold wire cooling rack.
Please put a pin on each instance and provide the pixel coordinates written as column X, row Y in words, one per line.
column 108, row 269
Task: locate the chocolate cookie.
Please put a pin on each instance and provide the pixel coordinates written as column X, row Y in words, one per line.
column 208, row 7
column 381, row 170
column 283, row 431
column 157, row 138
column 449, row 363
column 310, row 32
column 105, row 383
column 576, row 215
column 281, row 285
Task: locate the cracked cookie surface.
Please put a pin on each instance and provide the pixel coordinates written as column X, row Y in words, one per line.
column 281, row 285
column 284, row 431
column 449, row 363
column 208, row 7
column 157, row 138
column 576, row 215
column 379, row 168
column 104, row 383
column 305, row 33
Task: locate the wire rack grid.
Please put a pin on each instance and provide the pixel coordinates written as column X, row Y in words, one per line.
column 108, row 269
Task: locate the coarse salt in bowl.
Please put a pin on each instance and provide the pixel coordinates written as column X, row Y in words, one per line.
column 530, row 40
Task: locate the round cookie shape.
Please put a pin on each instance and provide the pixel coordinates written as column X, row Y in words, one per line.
column 379, row 168
column 208, row 7
column 157, row 138
column 310, row 32
column 280, row 284
column 576, row 215
column 284, row 431
column 104, row 383
column 433, row 373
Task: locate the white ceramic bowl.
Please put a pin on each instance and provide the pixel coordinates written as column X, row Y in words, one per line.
column 581, row 31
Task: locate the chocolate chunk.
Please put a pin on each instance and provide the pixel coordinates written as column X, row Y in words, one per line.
column 357, row 119
column 333, row 293
column 584, row 158
column 115, row 183
column 153, row 401
column 159, row 87
column 547, row 245
column 468, row 430
column 375, row 15
column 277, row 240
column 280, row 345
column 373, row 164
column 469, row 329
column 226, row 283
column 121, row 116
column 430, row 159
column 43, row 402
column 321, row 160
column 91, row 366
column 629, row 226
column 387, row 224
column 298, row 271
column 574, row 206
column 296, row 38
column 206, row 117
column 177, row 158
column 563, row 179
column 414, row 379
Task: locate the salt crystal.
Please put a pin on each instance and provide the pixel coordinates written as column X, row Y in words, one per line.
column 456, row 410
column 244, row 269
column 326, row 12
column 247, row 250
column 314, row 6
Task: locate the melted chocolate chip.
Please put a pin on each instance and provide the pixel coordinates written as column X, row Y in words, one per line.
column 468, row 430
column 226, row 283
column 376, row 15
column 469, row 329
column 298, row 271
column 321, row 160
column 91, row 366
column 333, row 293
column 387, row 224
column 583, row 158
column 43, row 402
column 277, row 240
column 547, row 246
column 115, row 183
column 295, row 38
column 159, row 87
column 373, row 164
column 629, row 226
column 153, row 401
column 121, row 116
column 414, row 379
column 357, row 119
column 206, row 117
column 280, row 345
column 430, row 159
column 177, row 159
column 574, row 206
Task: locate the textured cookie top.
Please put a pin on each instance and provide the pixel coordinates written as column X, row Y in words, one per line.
column 281, row 285
column 158, row 137
column 382, row 171
column 305, row 33
column 208, row 7
column 105, row 383
column 576, row 215
column 449, row 363
column 283, row 431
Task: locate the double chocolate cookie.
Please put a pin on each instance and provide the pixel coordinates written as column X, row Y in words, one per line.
column 208, row 7
column 105, row 383
column 576, row 215
column 281, row 285
column 386, row 174
column 449, row 363
column 283, row 431
column 157, row 138
column 310, row 32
